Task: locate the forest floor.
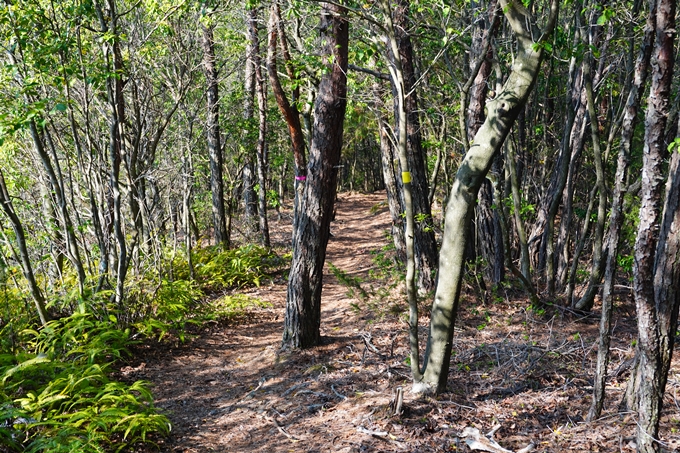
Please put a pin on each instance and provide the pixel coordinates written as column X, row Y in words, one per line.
column 231, row 388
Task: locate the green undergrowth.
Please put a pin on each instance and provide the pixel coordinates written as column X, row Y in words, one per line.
column 57, row 390
column 57, row 393
column 181, row 303
column 375, row 300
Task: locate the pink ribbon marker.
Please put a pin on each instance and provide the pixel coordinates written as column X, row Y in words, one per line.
column 300, row 178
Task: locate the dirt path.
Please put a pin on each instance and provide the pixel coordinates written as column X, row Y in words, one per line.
column 528, row 371
column 232, row 391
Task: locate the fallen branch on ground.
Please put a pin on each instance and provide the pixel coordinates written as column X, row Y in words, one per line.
column 476, row 441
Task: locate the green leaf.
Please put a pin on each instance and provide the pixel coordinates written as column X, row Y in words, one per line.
column 675, row 144
column 23, row 365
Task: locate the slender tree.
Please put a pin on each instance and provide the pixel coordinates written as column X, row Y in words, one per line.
column 616, row 214
column 501, row 114
column 213, row 135
column 26, row 266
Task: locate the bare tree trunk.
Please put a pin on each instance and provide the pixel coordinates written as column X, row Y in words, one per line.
column 249, row 195
column 109, row 23
column 261, row 153
column 312, row 225
column 616, row 216
column 26, row 267
column 511, row 168
column 425, row 244
column 489, row 240
column 540, row 239
column 288, row 109
column 400, row 139
column 394, row 194
column 587, row 300
column 214, row 140
column 502, row 113
column 653, row 275
column 57, row 186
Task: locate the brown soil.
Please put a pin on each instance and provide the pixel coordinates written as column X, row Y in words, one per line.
column 232, row 389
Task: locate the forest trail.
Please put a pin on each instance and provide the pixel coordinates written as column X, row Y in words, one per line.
column 233, row 390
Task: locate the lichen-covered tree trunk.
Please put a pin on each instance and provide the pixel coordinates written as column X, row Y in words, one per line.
column 312, row 224
column 501, row 115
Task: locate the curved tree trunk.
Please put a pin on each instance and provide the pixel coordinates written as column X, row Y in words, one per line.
column 502, row 113
column 26, row 267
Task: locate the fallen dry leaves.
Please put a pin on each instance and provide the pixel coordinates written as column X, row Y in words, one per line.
column 232, row 389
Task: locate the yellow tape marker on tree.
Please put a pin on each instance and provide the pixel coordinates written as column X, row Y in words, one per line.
column 406, row 177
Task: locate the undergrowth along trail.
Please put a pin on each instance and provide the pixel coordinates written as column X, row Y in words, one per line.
column 232, row 389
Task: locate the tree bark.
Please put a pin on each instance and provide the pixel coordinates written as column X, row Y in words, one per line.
column 288, row 109
column 261, row 148
column 249, row 195
column 502, row 113
column 489, row 239
column 425, row 244
column 401, row 144
column 26, row 267
column 651, row 268
column 312, row 225
column 395, row 199
column 588, row 298
column 616, row 216
column 114, row 84
column 214, row 140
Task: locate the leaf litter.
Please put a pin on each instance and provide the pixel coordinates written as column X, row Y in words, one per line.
column 525, row 374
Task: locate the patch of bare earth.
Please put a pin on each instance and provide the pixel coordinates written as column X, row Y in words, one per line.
column 233, row 390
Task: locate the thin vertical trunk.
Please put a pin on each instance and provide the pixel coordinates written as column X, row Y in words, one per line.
column 489, row 240
column 249, row 195
column 114, row 84
column 401, row 144
column 394, row 195
column 616, row 215
column 57, row 187
column 588, row 298
column 261, row 152
column 425, row 244
column 214, row 140
column 540, row 239
column 20, row 236
column 312, row 225
column 511, row 168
